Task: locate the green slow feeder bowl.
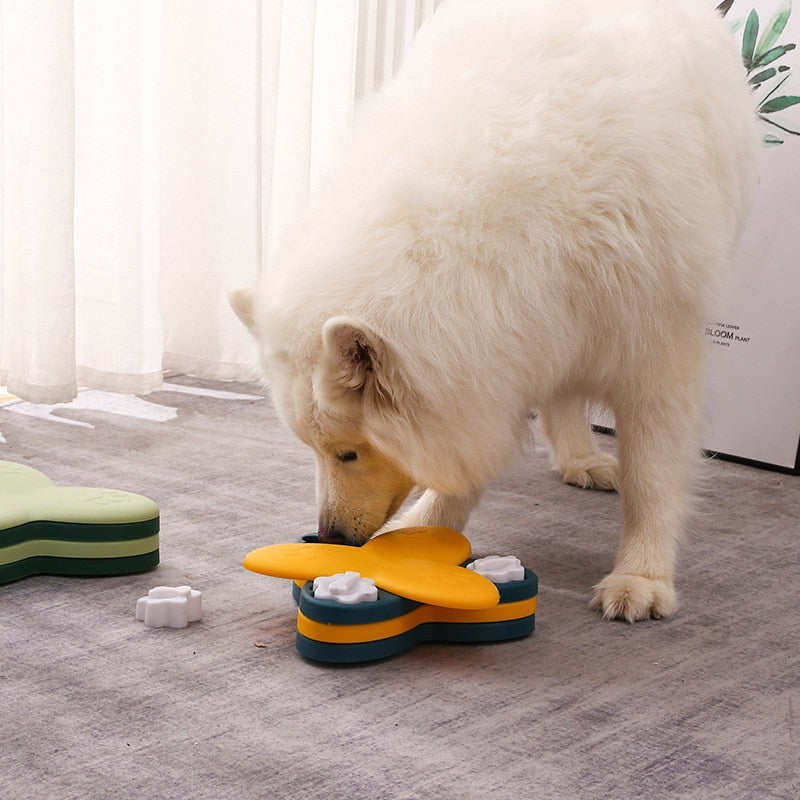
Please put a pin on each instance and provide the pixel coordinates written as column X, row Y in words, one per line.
column 55, row 530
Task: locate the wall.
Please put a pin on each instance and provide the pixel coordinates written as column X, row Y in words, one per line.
column 754, row 339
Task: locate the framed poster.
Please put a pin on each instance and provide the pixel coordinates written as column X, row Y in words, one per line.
column 754, row 339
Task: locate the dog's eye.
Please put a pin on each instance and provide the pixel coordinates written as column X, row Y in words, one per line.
column 347, row 455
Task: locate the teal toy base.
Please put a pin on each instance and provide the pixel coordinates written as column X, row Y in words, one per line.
column 390, row 607
column 461, row 632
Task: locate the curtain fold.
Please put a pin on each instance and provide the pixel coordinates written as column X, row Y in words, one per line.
column 152, row 154
column 38, row 322
column 210, row 161
column 118, row 194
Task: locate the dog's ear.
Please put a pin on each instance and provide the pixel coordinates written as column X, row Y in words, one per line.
column 356, row 359
column 241, row 300
column 352, row 352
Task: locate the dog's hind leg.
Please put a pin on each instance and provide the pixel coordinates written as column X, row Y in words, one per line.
column 574, row 450
column 657, row 423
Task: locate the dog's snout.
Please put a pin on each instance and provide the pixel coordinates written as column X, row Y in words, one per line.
column 330, row 536
column 329, row 533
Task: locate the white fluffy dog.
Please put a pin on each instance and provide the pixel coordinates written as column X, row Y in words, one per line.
column 533, row 214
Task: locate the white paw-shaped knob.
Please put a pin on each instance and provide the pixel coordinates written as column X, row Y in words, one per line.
column 348, row 588
column 499, row 569
column 170, row 607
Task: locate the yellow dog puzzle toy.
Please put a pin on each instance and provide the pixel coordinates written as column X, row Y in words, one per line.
column 423, row 593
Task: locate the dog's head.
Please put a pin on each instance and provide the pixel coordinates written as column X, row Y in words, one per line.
column 333, row 401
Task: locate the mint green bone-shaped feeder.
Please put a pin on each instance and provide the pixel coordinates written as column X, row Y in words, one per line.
column 53, row 530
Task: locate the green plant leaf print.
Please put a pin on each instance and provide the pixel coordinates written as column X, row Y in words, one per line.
column 749, row 39
column 774, row 28
column 761, row 55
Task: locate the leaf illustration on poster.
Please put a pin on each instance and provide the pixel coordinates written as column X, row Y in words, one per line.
column 764, row 59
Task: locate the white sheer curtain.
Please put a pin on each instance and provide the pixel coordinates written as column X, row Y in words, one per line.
column 151, row 153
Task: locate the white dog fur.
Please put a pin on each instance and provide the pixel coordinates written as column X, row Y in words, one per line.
column 533, row 214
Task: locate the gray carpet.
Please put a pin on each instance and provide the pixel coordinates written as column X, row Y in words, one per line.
column 95, row 705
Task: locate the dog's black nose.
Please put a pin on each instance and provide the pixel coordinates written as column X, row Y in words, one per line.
column 330, row 536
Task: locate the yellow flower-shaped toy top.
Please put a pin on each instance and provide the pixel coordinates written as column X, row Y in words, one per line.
column 421, row 564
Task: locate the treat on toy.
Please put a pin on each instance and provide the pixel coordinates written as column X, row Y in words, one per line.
column 344, row 622
column 170, row 607
column 420, row 564
column 346, row 587
column 499, row 569
column 48, row 529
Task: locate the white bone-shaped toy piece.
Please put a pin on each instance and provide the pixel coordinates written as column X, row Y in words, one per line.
column 170, row 607
column 347, row 588
column 499, row 569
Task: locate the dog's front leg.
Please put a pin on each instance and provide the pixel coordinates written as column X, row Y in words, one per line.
column 433, row 508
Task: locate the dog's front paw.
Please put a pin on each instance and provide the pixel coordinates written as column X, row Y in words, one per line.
column 597, row 472
column 633, row 597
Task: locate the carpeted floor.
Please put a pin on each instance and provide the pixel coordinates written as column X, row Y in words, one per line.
column 95, row 705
